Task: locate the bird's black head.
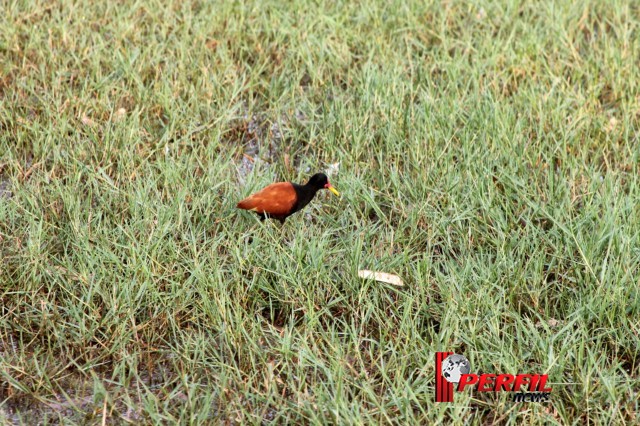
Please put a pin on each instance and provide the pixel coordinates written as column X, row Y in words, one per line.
column 318, row 181
column 321, row 181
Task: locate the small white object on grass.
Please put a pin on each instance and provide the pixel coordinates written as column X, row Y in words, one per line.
column 333, row 169
column 87, row 121
column 119, row 114
column 551, row 322
column 381, row 276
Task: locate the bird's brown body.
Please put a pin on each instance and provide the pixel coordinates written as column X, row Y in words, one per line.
column 282, row 199
column 276, row 201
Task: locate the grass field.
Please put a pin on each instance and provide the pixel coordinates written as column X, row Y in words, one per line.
column 487, row 153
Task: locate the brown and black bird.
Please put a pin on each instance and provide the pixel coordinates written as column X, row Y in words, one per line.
column 281, row 200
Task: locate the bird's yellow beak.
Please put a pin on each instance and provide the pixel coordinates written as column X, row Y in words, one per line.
column 332, row 189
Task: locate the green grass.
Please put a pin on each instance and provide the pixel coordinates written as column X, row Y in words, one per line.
column 488, row 154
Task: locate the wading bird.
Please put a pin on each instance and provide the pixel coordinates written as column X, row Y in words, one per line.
column 281, row 200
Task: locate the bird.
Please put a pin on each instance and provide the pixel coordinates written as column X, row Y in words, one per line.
column 282, row 199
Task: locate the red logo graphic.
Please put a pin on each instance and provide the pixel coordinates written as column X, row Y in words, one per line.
column 444, row 389
column 452, row 368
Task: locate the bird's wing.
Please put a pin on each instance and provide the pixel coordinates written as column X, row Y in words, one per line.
column 277, row 199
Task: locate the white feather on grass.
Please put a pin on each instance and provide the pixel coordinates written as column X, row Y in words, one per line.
column 381, row 276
